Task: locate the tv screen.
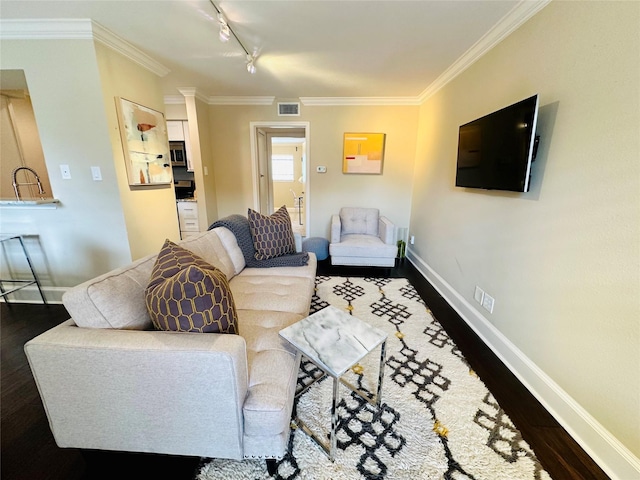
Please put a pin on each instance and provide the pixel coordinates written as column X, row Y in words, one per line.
column 495, row 151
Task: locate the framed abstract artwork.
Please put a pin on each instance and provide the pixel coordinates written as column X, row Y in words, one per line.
column 363, row 153
column 144, row 140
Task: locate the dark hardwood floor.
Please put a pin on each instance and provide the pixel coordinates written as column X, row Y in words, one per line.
column 28, row 451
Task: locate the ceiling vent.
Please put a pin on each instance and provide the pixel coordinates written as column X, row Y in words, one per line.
column 288, row 109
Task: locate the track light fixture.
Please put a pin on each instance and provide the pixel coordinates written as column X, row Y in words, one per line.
column 225, row 34
column 251, row 67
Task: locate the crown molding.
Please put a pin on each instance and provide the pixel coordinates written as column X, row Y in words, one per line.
column 193, row 92
column 354, row 101
column 174, row 100
column 518, row 15
column 113, row 41
column 77, row 29
column 46, row 29
column 239, row 100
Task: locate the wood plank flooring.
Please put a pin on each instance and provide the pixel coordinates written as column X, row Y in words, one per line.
column 28, row 450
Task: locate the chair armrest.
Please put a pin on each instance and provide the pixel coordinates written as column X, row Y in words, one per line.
column 386, row 230
column 336, row 228
column 140, row 391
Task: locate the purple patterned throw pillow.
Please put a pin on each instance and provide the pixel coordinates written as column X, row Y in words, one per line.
column 187, row 294
column 272, row 235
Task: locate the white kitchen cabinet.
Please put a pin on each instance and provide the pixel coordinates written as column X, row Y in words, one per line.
column 188, row 218
column 175, row 130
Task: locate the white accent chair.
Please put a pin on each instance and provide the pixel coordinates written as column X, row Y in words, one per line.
column 360, row 236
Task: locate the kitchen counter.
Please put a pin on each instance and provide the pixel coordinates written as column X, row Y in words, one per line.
column 46, row 203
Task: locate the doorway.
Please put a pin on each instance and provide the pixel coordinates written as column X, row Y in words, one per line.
column 280, row 163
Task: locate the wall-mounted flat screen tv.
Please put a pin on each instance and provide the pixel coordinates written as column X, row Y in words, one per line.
column 495, row 151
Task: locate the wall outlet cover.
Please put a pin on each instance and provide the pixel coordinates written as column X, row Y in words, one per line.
column 478, row 295
column 487, row 302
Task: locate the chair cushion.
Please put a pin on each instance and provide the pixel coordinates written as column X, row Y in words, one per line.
column 272, row 235
column 362, row 221
column 362, row 246
column 186, row 294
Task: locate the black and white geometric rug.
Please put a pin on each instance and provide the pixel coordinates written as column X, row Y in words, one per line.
column 437, row 420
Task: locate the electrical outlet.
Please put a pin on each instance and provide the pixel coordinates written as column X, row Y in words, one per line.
column 487, row 302
column 478, row 295
column 65, row 171
column 321, row 169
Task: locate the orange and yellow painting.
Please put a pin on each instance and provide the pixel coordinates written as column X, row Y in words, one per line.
column 363, row 153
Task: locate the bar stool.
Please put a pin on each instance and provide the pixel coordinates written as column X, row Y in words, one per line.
column 21, row 283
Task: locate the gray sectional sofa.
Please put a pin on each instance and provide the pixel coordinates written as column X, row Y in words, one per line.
column 109, row 381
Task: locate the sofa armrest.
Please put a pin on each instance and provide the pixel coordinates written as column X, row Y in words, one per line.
column 142, row 391
column 336, row 228
column 386, row 230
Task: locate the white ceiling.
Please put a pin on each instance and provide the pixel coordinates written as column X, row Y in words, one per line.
column 305, row 48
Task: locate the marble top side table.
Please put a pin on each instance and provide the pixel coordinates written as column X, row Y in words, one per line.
column 335, row 341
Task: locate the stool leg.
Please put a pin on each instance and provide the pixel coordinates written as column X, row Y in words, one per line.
column 33, row 272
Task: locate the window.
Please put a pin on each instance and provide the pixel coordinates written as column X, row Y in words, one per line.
column 282, row 168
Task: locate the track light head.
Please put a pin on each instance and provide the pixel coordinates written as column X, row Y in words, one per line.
column 251, row 66
column 225, row 32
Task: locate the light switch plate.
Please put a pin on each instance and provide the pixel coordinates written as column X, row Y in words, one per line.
column 321, row 169
column 96, row 174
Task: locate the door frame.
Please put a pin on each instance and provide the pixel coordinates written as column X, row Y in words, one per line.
column 255, row 169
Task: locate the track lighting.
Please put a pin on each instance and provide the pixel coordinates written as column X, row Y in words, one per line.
column 251, row 67
column 225, row 34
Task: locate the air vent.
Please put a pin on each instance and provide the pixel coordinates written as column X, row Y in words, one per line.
column 288, row 109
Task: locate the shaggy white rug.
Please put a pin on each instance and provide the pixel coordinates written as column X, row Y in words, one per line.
column 437, row 419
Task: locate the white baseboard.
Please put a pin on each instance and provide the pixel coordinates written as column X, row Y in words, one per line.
column 30, row 294
column 606, row 450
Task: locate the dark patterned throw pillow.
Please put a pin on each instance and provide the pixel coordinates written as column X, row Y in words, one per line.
column 187, row 294
column 272, row 235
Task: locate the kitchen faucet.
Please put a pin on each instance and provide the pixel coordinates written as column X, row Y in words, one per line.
column 16, row 185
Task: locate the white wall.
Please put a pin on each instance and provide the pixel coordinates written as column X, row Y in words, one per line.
column 562, row 261
column 87, row 234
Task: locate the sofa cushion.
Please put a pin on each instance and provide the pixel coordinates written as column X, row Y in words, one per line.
column 230, row 244
column 210, row 248
column 272, row 292
column 272, row 235
column 112, row 300
column 187, row 294
column 359, row 220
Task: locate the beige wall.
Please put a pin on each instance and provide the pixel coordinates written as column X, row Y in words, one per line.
column 562, row 261
column 150, row 212
column 86, row 235
column 327, row 192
